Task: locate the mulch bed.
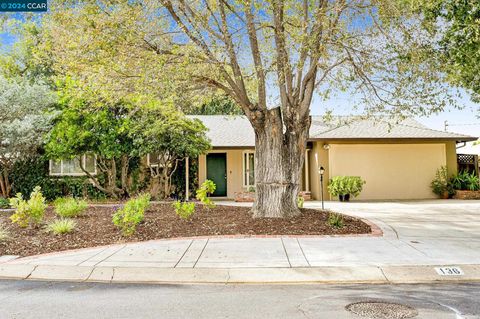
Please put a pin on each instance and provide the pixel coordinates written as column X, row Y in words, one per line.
column 95, row 228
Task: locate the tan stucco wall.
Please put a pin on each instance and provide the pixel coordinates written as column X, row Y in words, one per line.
column 392, row 171
column 318, row 157
column 234, row 170
column 451, row 153
column 397, row 170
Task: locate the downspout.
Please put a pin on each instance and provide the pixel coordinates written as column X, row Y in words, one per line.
column 464, row 144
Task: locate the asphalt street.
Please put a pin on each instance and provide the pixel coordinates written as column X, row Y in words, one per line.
column 35, row 299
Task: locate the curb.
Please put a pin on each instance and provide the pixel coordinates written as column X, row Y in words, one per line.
column 312, row 275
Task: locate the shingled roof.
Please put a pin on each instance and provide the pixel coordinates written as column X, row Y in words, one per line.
column 236, row 131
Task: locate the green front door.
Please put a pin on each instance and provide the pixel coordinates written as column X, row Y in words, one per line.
column 217, row 172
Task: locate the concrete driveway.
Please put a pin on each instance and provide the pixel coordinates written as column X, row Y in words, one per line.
column 432, row 219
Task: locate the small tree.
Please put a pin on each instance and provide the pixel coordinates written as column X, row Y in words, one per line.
column 101, row 129
column 25, row 116
column 170, row 137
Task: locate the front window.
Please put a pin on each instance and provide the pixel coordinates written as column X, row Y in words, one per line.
column 71, row 167
column 248, row 169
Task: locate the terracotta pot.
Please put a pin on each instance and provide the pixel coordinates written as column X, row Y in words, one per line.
column 445, row 195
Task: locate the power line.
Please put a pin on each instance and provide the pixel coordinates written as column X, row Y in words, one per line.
column 464, row 124
column 446, row 124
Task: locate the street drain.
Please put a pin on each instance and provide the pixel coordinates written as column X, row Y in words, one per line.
column 381, row 310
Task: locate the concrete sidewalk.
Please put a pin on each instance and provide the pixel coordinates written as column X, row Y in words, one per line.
column 417, row 237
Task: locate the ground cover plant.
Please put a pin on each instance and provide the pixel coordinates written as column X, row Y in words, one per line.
column 95, row 228
column 61, row 226
column 70, row 207
column 335, row 220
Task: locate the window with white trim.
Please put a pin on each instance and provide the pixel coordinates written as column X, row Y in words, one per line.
column 71, row 167
column 248, row 168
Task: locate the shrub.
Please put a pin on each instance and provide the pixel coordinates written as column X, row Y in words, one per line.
column 184, row 210
column 4, row 203
column 131, row 214
column 335, row 220
column 28, row 212
column 34, row 171
column 61, row 226
column 208, row 187
column 465, row 181
column 69, row 206
column 473, row 183
column 439, row 184
column 4, row 234
column 300, row 201
column 342, row 185
column 337, row 186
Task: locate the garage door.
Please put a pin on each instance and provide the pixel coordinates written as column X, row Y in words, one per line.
column 392, row 171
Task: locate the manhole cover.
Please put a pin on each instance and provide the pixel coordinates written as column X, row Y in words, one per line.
column 381, row 310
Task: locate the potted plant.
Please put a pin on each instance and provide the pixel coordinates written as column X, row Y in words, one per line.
column 440, row 185
column 354, row 186
column 345, row 186
column 336, row 187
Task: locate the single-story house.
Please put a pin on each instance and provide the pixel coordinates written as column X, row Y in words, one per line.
column 398, row 160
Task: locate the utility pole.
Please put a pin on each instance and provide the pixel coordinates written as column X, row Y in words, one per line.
column 445, row 125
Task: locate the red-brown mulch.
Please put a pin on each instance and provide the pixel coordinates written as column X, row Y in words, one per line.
column 95, row 228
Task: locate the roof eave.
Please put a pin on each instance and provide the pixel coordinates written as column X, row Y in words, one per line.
column 457, row 139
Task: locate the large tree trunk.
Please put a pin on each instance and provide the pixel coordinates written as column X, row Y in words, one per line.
column 279, row 158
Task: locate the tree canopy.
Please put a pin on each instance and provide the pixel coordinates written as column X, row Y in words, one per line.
column 218, row 105
column 117, row 133
column 167, row 137
column 26, row 111
column 456, row 25
column 269, row 56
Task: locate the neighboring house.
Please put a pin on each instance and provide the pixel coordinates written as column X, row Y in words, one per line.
column 397, row 160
